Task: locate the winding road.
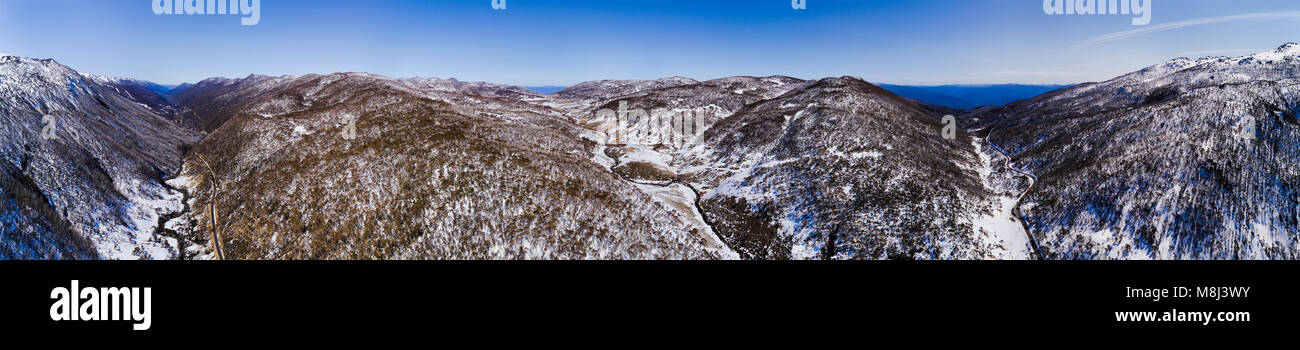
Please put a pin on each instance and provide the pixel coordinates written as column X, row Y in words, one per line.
column 698, row 207
column 1033, row 179
column 216, row 236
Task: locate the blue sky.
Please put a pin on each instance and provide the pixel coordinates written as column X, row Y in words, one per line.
column 559, row 42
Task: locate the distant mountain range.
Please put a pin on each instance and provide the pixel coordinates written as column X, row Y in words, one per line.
column 965, row 97
column 957, row 97
column 1188, row 159
column 546, row 90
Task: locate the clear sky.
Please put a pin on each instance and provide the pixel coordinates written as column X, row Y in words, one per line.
column 562, row 42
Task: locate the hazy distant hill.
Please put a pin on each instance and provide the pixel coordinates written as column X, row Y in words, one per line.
column 970, row 96
column 546, row 90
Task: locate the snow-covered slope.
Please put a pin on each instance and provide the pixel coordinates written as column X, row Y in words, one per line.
column 841, row 169
column 436, row 169
column 148, row 93
column 1188, row 159
column 706, row 102
column 609, row 89
column 81, row 166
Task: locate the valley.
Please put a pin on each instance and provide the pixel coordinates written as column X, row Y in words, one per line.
column 362, row 166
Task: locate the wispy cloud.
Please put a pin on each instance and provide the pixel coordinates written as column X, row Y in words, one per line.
column 1182, row 24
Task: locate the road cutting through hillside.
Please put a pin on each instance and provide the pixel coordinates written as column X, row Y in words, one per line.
column 1033, row 180
column 698, row 196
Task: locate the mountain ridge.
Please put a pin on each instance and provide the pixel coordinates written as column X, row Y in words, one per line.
column 361, row 166
column 83, row 166
column 1186, row 159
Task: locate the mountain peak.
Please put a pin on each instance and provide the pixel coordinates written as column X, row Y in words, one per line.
column 29, row 72
column 842, row 81
column 1289, row 49
column 1286, row 51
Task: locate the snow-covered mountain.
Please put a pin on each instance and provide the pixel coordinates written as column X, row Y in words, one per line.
column 841, row 169
column 782, row 163
column 609, row 89
column 1188, row 159
column 151, row 94
column 83, row 166
column 206, row 105
column 704, row 103
column 354, row 165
